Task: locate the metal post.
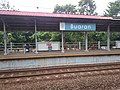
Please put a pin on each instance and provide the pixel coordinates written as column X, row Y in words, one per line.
column 98, row 44
column 108, row 38
column 10, row 46
column 5, row 39
column 24, row 49
column 79, row 45
column 86, row 41
column 36, row 38
column 62, row 42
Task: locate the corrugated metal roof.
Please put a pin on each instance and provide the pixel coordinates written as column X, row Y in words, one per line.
column 21, row 13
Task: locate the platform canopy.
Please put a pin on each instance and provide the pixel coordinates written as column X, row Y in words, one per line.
column 25, row 21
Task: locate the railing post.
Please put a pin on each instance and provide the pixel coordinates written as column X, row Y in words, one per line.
column 24, row 49
column 62, row 36
column 86, row 41
column 10, row 46
column 79, row 45
column 98, row 44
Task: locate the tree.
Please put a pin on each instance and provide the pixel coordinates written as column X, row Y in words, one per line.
column 20, row 37
column 113, row 9
column 44, row 36
column 55, row 36
column 5, row 5
column 87, row 7
column 69, row 36
column 1, row 38
column 74, row 36
column 65, row 9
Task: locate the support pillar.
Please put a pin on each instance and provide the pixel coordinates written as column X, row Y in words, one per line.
column 62, row 41
column 98, row 44
column 5, row 38
column 36, row 45
column 108, row 38
column 86, row 41
column 79, row 45
column 10, row 46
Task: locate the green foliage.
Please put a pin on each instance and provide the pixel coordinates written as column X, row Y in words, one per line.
column 65, row 9
column 74, row 36
column 44, row 36
column 87, row 7
column 1, row 37
column 97, row 36
column 5, row 5
column 115, row 36
column 113, row 9
column 20, row 37
column 48, row 36
column 56, row 36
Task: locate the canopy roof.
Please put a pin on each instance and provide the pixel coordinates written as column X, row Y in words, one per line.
column 25, row 21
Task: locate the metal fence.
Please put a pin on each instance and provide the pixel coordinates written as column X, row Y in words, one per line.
column 91, row 45
column 15, row 47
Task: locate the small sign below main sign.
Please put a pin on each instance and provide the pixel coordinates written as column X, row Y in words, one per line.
column 77, row 26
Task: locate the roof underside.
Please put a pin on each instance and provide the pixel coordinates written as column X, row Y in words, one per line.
column 25, row 21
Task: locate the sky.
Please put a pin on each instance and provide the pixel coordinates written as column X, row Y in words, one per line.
column 48, row 5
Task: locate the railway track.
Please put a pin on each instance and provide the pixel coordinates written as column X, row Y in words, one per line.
column 58, row 72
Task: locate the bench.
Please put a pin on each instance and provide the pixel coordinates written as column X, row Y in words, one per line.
column 15, row 49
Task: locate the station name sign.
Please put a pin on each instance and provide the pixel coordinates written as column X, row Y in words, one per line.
column 77, row 26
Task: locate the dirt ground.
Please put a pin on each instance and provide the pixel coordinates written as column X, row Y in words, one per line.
column 99, row 82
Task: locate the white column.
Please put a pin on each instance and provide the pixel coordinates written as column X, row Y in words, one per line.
column 5, row 39
column 98, row 44
column 86, row 41
column 108, row 38
column 80, row 45
column 10, row 46
column 36, row 45
column 62, row 41
column 24, row 49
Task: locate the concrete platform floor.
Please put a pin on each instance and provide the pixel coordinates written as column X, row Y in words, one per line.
column 70, row 53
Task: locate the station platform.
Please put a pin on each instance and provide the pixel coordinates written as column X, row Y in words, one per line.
column 57, row 58
column 56, row 54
